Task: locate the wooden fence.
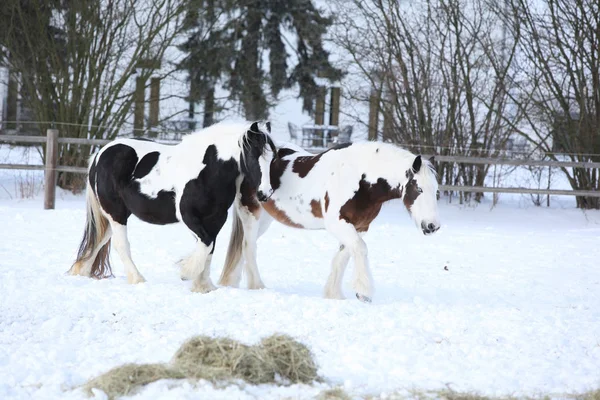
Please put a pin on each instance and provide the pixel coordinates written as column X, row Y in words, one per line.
column 52, row 140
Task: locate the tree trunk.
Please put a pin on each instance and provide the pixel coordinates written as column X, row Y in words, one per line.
column 209, row 107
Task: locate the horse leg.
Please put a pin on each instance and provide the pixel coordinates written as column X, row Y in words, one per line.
column 333, row 288
column 253, row 231
column 246, row 230
column 206, row 229
column 205, row 284
column 350, row 238
column 232, row 271
column 198, row 268
column 122, row 246
column 249, row 250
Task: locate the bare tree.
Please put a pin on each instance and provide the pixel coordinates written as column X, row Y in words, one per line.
column 76, row 60
column 559, row 86
column 443, row 68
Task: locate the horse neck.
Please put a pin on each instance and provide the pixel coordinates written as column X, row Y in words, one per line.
column 228, row 144
column 391, row 164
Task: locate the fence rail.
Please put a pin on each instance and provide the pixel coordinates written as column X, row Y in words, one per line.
column 51, row 167
column 510, row 161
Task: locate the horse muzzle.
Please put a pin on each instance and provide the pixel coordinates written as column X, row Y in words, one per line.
column 430, row 228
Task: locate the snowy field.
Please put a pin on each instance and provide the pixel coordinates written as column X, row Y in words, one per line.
column 517, row 311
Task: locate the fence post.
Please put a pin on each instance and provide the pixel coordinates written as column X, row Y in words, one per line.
column 50, row 168
column 374, row 100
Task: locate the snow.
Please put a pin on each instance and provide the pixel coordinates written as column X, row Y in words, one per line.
column 516, row 312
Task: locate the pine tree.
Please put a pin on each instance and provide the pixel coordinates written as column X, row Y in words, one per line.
column 226, row 46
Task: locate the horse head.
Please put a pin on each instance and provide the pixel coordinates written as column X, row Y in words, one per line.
column 258, row 151
column 420, row 195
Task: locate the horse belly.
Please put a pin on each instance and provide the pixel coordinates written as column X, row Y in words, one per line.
column 159, row 210
column 293, row 214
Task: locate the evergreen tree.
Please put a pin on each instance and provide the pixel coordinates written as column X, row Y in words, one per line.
column 228, row 40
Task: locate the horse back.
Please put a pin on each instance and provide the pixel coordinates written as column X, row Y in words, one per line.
column 117, row 174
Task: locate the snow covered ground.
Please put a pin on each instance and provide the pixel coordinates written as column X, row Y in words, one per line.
column 517, row 311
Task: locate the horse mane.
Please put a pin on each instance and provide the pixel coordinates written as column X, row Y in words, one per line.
column 248, row 143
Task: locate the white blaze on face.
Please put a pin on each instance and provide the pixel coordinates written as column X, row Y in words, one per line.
column 265, row 163
column 424, row 210
column 265, row 177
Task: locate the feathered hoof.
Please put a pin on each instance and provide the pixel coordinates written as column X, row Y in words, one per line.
column 134, row 279
column 203, row 287
column 229, row 282
column 80, row 268
column 257, row 286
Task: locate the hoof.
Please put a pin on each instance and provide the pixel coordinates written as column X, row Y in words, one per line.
column 362, row 298
column 187, row 268
column 80, row 268
column 135, row 279
column 228, row 283
column 256, row 287
column 204, row 287
column 75, row 268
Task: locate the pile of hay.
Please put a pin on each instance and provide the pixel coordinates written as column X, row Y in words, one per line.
column 124, row 380
column 276, row 359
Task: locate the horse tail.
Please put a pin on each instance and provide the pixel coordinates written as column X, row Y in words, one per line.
column 94, row 250
column 234, row 250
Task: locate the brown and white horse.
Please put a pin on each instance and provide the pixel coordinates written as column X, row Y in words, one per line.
column 341, row 190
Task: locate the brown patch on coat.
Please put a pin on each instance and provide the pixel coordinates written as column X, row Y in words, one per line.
column 276, row 170
column 304, row 164
column 366, row 203
column 411, row 193
column 279, row 214
column 326, row 201
column 278, row 166
column 249, row 199
column 315, row 208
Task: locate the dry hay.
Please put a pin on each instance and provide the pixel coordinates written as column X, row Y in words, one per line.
column 333, row 394
column 124, row 380
column 276, row 358
column 293, row 360
column 212, row 359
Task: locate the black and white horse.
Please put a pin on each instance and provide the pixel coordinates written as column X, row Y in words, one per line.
column 194, row 182
column 341, row 190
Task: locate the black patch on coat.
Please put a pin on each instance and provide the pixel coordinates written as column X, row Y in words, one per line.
column 146, row 164
column 284, row 151
column 206, row 199
column 119, row 194
column 92, row 174
column 276, row 170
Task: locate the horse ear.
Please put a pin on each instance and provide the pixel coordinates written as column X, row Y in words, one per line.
column 432, row 159
column 417, row 164
column 269, row 126
column 254, row 127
